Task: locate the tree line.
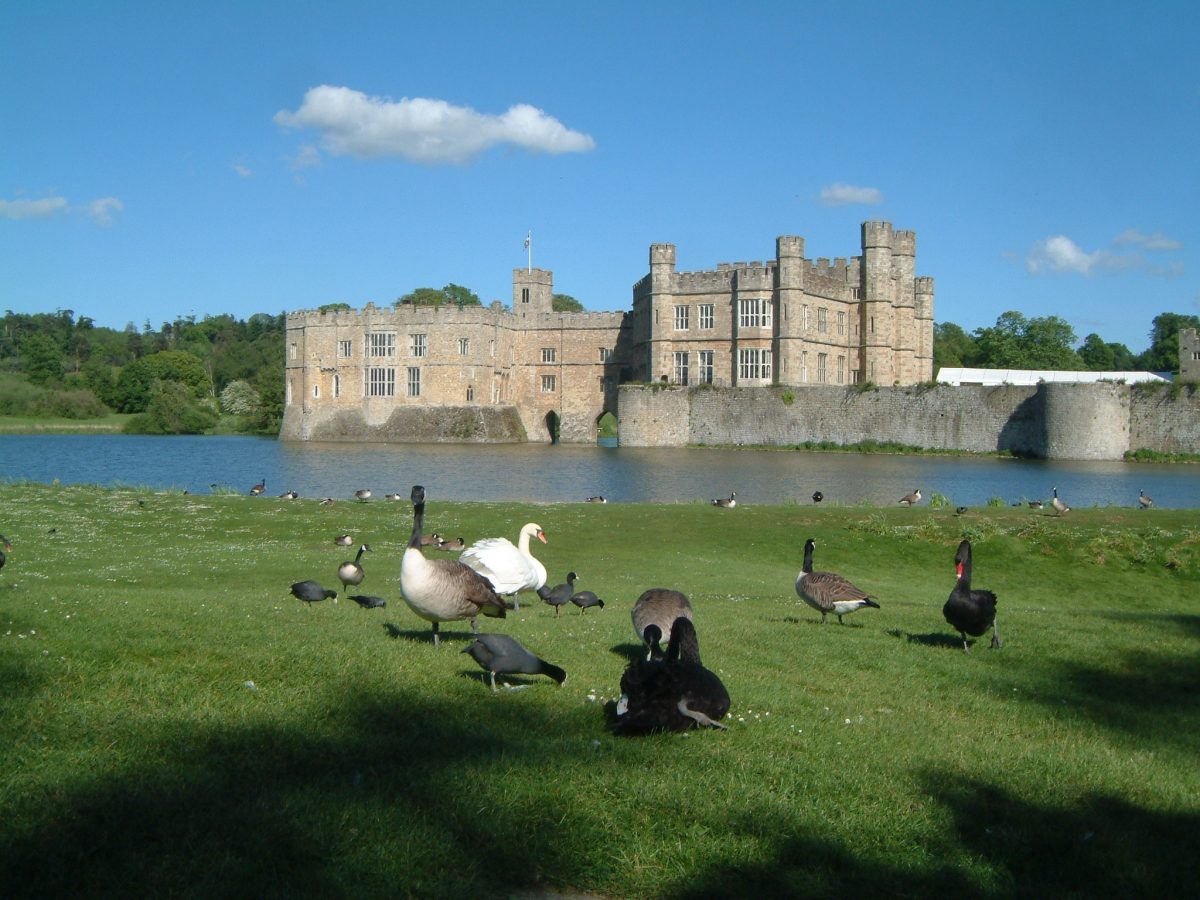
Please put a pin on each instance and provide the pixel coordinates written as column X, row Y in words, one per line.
column 190, row 376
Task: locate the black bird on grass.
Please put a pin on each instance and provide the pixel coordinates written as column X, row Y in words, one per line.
column 818, row 496
column 6, row 544
column 969, row 611
column 586, row 599
column 671, row 694
column 312, row 592
column 559, row 594
column 499, row 654
column 366, row 601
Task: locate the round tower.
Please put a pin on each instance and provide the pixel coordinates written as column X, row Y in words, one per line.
column 923, row 291
column 878, row 297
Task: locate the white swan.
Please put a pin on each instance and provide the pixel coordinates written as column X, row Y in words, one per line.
column 511, row 569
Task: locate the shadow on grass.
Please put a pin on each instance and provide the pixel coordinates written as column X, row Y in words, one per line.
column 932, row 639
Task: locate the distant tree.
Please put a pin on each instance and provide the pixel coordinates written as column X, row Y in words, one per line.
column 451, row 293
column 133, row 389
column 1097, row 356
column 461, row 296
column 172, row 409
column 42, row 358
column 565, row 303
column 1163, row 353
column 240, row 398
column 952, row 346
column 1016, row 342
column 333, row 307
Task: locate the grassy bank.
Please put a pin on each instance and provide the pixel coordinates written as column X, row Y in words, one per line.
column 173, row 722
column 110, row 424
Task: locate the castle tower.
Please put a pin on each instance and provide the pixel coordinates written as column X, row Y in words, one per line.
column 789, row 299
column 923, row 316
column 533, row 292
column 877, row 301
column 904, row 253
column 660, row 311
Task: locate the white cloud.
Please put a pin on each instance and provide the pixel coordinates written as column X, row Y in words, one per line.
column 423, row 130
column 1060, row 254
column 32, row 209
column 102, row 211
column 242, row 170
column 844, row 194
column 1156, row 241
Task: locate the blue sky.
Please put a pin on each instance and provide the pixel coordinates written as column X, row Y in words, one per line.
column 163, row 159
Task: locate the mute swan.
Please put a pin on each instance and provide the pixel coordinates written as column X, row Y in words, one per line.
column 511, row 569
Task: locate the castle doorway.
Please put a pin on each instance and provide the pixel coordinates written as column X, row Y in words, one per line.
column 552, row 426
column 606, row 429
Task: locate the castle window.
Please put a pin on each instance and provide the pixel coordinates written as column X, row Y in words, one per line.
column 381, row 382
column 853, row 293
column 548, row 354
column 822, row 320
column 822, row 359
column 524, row 295
column 681, row 318
column 316, row 392
column 464, row 346
column 605, row 354
column 344, row 349
column 841, row 372
column 804, row 317
column 704, row 362
column 855, row 376
column 491, row 348
column 841, row 323
column 681, row 366
column 872, row 324
column 754, row 364
column 292, row 351
column 381, row 343
column 414, row 381
column 470, row 393
column 754, row 313
column 706, row 315
column 803, row 366
column 337, row 385
column 1196, row 354
column 548, row 384
column 419, row 344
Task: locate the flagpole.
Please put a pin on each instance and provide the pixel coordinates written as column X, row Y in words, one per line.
column 529, row 250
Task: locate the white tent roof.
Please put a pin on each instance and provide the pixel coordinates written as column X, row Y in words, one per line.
column 949, row 375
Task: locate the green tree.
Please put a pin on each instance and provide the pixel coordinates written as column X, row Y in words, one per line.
column 1016, row 342
column 333, row 307
column 565, row 303
column 42, row 358
column 451, row 293
column 172, row 409
column 952, row 346
column 134, row 384
column 1097, row 356
column 1163, row 353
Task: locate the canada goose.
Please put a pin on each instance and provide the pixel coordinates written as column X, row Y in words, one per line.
column 1059, row 506
column 827, row 592
column 499, row 654
column 1035, row 504
column 818, row 496
column 366, row 601
column 431, row 540
column 596, row 499
column 658, row 607
column 911, row 499
column 364, row 494
column 560, row 593
column 393, row 496
column 312, row 592
column 5, row 547
column 259, row 488
column 671, row 694
column 289, row 495
column 351, row 573
column 1143, row 501
column 511, row 569
column 726, row 502
column 456, row 544
column 328, row 501
column 967, row 611
column 344, row 540
column 585, row 600
column 443, row 590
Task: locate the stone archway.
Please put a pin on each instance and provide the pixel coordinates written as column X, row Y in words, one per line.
column 553, row 426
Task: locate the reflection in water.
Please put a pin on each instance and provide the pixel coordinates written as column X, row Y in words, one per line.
column 541, row 473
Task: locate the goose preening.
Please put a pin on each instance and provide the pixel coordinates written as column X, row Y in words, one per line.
column 655, row 611
column 328, row 501
column 259, row 488
column 911, row 499
column 443, row 590
column 393, row 496
column 559, row 594
column 726, row 502
column 967, row 611
column 510, row 568
column 498, row 654
column 827, row 592
column 1143, row 501
column 586, row 600
column 818, row 496
column 289, row 495
column 431, row 540
column 312, row 592
column 351, row 572
column 596, row 499
column 1059, row 506
column 344, row 540
column 674, row 693
column 363, row 494
column 457, row 544
column 366, row 601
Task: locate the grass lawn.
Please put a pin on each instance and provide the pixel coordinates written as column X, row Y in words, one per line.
column 110, row 424
column 173, row 722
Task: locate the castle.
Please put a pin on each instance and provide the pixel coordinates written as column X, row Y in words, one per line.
column 423, row 373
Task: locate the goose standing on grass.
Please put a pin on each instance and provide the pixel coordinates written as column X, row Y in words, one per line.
column 450, row 546
column 1143, row 501
column 911, row 499
column 511, row 569
column 443, row 590
column 726, row 502
column 827, row 592
column 311, row 592
column 560, row 593
column 1059, row 506
column 259, row 488
column 351, row 572
column 658, row 609
column 671, row 694
column 363, row 494
column 967, row 611
column 499, row 654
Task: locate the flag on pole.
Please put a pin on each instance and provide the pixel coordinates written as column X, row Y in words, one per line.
column 528, row 239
